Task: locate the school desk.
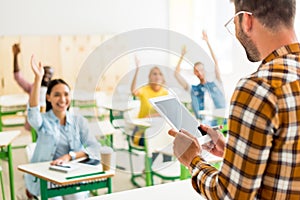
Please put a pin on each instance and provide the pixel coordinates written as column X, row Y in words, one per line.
column 83, row 178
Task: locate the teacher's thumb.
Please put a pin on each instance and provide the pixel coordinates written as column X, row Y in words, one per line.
column 172, row 132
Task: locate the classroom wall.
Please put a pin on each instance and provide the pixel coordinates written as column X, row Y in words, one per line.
column 63, row 33
column 52, row 17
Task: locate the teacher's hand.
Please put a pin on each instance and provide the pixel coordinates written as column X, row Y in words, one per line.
column 185, row 146
column 217, row 145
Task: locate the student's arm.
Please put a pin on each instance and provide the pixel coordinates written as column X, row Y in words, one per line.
column 66, row 158
column 38, row 71
column 134, row 91
column 25, row 85
column 179, row 78
column 33, row 115
column 217, row 70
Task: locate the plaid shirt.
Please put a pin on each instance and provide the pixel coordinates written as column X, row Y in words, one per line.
column 262, row 155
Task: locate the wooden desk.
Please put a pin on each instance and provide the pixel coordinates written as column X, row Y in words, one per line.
column 10, row 105
column 6, row 139
column 84, row 178
column 174, row 190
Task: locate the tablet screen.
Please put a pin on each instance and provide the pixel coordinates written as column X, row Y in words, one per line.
column 176, row 114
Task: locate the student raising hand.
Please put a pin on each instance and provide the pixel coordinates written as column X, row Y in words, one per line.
column 37, row 69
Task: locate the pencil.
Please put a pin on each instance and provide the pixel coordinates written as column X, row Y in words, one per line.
column 84, row 175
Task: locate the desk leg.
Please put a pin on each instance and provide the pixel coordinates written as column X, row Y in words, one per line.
column 111, row 116
column 11, row 172
column 109, row 185
column 43, row 189
column 148, row 171
column 184, row 172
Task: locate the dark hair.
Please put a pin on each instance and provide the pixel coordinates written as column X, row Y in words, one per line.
column 271, row 13
column 47, row 75
column 51, row 84
column 47, row 67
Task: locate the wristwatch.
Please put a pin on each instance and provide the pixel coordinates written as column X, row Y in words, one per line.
column 73, row 155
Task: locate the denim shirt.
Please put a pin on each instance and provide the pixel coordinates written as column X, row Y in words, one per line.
column 197, row 95
column 47, row 126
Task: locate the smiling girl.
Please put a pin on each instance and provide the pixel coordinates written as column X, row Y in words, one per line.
column 62, row 136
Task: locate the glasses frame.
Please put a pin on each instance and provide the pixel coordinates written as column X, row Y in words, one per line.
column 231, row 20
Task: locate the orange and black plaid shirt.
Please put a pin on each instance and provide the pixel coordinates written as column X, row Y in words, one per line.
column 262, row 155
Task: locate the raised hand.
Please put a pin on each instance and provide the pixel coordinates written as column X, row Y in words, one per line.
column 16, row 49
column 37, row 69
column 183, row 50
column 137, row 61
column 204, row 35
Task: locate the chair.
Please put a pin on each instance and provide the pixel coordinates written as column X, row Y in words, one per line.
column 85, row 104
column 156, row 138
column 29, row 149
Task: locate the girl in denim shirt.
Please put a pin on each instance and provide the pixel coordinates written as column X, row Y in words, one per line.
column 62, row 136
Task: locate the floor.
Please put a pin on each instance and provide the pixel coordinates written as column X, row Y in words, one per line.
column 121, row 181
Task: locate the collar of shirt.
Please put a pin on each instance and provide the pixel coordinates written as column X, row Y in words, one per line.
column 53, row 117
column 288, row 49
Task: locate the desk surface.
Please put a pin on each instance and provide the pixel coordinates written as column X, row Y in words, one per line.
column 146, row 122
column 101, row 128
column 14, row 100
column 7, row 137
column 42, row 171
column 175, row 190
column 120, row 105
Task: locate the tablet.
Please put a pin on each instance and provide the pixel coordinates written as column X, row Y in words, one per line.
column 178, row 116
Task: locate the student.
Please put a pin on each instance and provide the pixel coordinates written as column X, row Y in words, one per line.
column 261, row 155
column 154, row 88
column 198, row 91
column 62, row 136
column 25, row 85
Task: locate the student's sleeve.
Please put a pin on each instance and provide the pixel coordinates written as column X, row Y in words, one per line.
column 34, row 117
column 25, row 85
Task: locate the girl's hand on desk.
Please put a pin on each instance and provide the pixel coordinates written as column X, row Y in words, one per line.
column 63, row 159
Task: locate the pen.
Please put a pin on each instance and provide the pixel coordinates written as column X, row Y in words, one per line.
column 84, row 175
column 65, row 166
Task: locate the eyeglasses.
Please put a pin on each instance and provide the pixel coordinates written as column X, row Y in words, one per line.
column 230, row 25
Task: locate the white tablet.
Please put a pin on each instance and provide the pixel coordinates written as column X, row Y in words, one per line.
column 177, row 115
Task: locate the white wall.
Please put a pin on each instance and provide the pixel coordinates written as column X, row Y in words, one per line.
column 53, row 17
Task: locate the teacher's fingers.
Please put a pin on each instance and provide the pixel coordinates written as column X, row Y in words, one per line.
column 172, row 132
column 187, row 133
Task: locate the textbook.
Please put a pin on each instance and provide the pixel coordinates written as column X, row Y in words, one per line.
column 64, row 167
